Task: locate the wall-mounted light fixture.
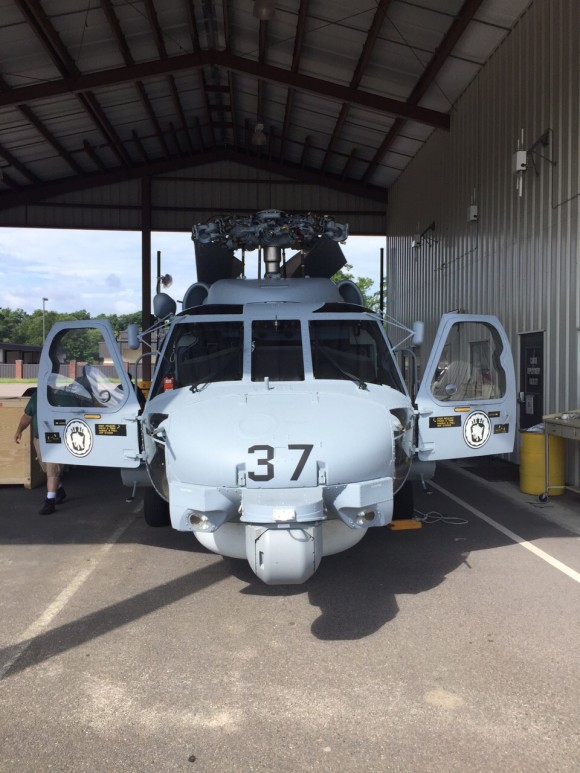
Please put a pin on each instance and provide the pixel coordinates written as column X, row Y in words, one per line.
column 472, row 213
column 419, row 238
column 520, row 164
column 534, row 153
column 522, row 158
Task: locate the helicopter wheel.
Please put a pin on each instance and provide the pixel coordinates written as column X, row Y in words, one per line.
column 404, row 502
column 155, row 509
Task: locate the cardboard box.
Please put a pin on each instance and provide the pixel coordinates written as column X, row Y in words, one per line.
column 18, row 464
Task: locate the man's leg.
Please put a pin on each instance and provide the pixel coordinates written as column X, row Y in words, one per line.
column 53, row 473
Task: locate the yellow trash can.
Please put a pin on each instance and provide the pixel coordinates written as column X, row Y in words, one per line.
column 533, row 463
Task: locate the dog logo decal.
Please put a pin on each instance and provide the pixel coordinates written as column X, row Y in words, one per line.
column 477, row 429
column 78, row 437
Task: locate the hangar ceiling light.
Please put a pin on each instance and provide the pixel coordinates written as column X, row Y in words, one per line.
column 258, row 137
column 264, row 10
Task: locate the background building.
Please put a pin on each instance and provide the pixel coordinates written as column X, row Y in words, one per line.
column 466, row 230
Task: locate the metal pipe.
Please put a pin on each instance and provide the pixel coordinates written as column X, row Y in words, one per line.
column 272, row 258
column 382, row 282
column 44, row 300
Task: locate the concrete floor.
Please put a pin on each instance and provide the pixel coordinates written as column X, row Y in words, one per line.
column 450, row 648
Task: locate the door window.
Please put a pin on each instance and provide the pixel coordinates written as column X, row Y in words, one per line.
column 83, row 372
column 469, row 367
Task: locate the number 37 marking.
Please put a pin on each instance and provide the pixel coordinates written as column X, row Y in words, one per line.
column 266, row 460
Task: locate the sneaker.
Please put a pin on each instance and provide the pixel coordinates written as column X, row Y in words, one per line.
column 60, row 495
column 48, row 507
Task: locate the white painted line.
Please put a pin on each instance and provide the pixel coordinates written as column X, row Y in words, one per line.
column 574, row 575
column 45, row 619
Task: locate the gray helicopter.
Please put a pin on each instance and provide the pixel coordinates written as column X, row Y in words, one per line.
column 278, row 426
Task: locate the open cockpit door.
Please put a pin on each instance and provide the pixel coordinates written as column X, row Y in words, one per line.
column 467, row 398
column 87, row 405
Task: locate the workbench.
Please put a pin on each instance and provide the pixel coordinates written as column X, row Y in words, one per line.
column 565, row 424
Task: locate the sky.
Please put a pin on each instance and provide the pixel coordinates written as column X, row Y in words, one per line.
column 100, row 271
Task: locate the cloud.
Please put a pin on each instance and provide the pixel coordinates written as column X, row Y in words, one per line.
column 100, row 271
column 113, row 281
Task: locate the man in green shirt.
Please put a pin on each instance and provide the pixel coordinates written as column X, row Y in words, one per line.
column 55, row 491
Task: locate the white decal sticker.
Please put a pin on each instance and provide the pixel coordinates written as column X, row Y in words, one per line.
column 78, row 437
column 477, row 429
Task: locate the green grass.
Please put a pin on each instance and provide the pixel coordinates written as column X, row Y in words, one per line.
column 18, row 380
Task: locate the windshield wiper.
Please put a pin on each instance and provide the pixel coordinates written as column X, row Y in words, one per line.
column 350, row 376
column 195, row 387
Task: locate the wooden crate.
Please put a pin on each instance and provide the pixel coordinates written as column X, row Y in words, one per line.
column 18, row 461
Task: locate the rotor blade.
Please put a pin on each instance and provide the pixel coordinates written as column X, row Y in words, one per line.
column 324, row 259
column 293, row 264
column 214, row 262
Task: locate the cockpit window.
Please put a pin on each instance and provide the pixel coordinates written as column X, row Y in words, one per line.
column 352, row 349
column 277, row 350
column 202, row 352
column 470, row 364
column 83, row 374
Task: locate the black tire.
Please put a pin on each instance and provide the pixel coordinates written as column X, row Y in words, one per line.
column 155, row 509
column 404, row 503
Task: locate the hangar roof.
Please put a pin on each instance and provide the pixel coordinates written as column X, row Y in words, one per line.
column 101, row 92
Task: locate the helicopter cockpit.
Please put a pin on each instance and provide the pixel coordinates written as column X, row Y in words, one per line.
column 283, row 349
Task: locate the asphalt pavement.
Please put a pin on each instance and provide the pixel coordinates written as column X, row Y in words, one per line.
column 453, row 647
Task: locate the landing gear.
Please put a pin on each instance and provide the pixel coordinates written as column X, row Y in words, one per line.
column 155, row 509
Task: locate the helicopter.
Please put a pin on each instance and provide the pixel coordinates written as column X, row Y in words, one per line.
column 279, row 426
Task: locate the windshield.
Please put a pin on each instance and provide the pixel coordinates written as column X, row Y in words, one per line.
column 202, row 352
column 352, row 349
column 277, row 350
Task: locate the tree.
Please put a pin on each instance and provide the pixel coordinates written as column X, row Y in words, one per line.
column 10, row 321
column 19, row 327
column 120, row 322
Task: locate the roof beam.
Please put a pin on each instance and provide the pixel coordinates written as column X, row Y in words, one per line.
column 152, row 117
column 458, row 27
column 40, row 23
column 50, row 138
column 157, row 33
column 328, row 89
column 296, row 55
column 366, row 53
column 48, row 36
column 19, row 166
column 10, row 182
column 34, row 194
column 140, row 147
column 92, row 154
column 32, row 118
column 128, row 59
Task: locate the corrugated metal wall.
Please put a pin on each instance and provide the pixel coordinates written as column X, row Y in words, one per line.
column 189, row 196
column 520, row 260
